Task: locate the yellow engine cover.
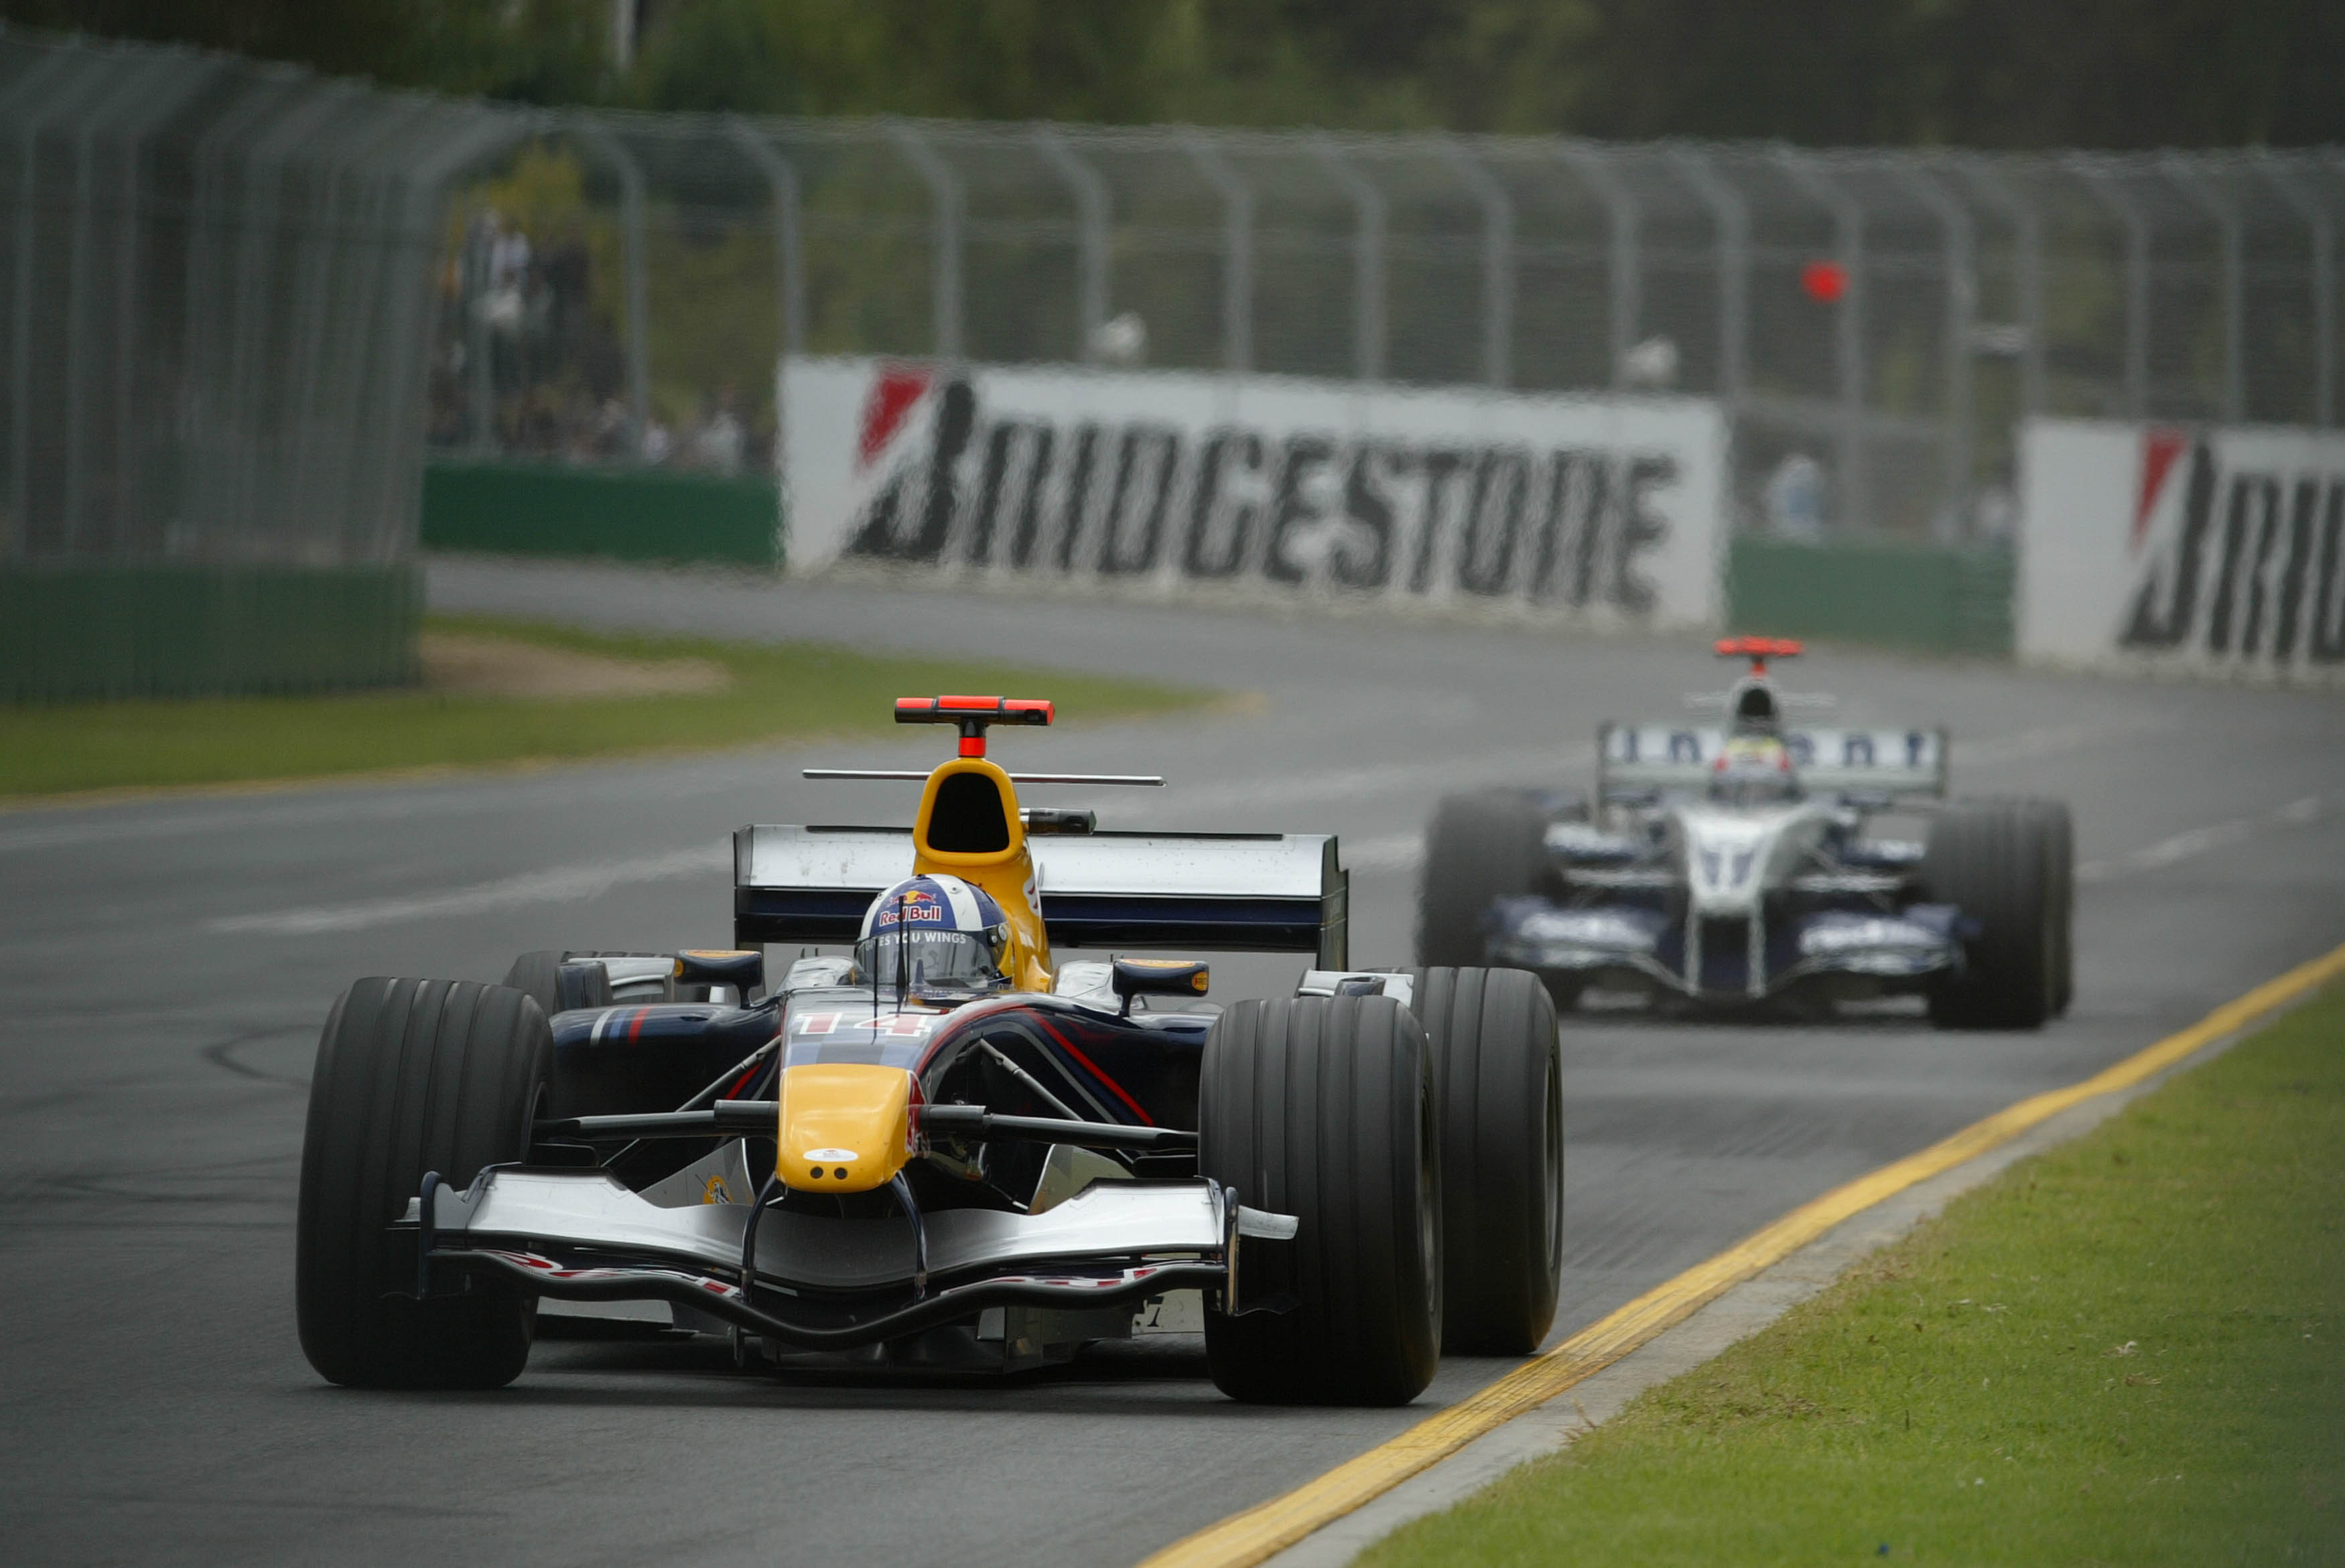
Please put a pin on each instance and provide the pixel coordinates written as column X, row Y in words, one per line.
column 846, row 1126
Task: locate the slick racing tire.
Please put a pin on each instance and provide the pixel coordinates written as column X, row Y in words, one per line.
column 1993, row 861
column 413, row 1075
column 557, row 986
column 1323, row 1107
column 2062, row 829
column 1498, row 1074
column 669, row 990
column 1483, row 846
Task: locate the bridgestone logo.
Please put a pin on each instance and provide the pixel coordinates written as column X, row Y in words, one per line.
column 1569, row 504
column 1121, row 499
column 2253, row 569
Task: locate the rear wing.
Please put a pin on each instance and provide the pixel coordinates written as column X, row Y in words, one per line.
column 1211, row 892
column 1634, row 758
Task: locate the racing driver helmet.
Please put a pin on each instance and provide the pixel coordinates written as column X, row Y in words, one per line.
column 1753, row 770
column 934, row 934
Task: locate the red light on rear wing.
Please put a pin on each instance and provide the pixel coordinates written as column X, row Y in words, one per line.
column 1757, row 650
column 971, row 715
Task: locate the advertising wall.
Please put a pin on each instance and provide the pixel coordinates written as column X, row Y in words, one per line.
column 1605, row 505
column 2213, row 548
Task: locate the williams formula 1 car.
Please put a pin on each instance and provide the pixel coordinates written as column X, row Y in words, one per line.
column 1733, row 866
column 943, row 1148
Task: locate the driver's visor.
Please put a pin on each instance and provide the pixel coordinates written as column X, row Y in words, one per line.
column 917, row 960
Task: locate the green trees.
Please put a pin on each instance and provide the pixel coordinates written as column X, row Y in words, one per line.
column 1983, row 73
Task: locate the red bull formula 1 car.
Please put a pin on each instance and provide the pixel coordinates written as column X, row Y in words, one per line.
column 947, row 1149
column 1737, row 866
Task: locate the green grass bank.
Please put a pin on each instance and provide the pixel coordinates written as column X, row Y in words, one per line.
column 2130, row 1350
column 757, row 693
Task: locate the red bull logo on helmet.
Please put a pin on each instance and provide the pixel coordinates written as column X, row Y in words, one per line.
column 911, row 906
column 937, row 903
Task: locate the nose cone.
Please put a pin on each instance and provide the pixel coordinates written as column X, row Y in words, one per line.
column 846, row 1126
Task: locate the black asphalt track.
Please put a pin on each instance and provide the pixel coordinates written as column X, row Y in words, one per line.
column 165, row 964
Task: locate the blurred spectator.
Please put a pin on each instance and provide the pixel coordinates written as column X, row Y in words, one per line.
column 1122, row 339
column 568, row 271
column 1996, row 519
column 1796, row 496
column 659, row 444
column 609, row 432
column 717, row 441
column 1651, row 366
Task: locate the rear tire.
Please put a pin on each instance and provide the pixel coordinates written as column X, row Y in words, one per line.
column 1323, row 1108
column 1482, row 847
column 557, row 986
column 1498, row 1075
column 413, row 1075
column 1993, row 861
column 2062, row 829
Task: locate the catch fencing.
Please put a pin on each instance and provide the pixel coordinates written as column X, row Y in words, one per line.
column 1875, row 324
column 215, row 316
column 241, row 306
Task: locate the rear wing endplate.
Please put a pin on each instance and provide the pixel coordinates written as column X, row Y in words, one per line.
column 1636, row 757
column 1246, row 893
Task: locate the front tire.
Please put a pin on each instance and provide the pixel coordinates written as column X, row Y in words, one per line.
column 413, row 1075
column 1480, row 847
column 1498, row 1071
column 1323, row 1107
column 1993, row 861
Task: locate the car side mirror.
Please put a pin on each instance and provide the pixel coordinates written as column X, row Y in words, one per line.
column 743, row 968
column 1159, row 977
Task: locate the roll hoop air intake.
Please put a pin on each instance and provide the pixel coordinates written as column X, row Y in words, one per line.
column 972, row 715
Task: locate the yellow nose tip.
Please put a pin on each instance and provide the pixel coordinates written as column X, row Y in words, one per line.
column 846, row 1126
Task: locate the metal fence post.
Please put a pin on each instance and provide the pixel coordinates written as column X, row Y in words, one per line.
column 2136, row 280
column 350, row 345
column 138, row 96
column 214, row 224
column 789, row 261
column 1237, row 252
column 267, row 168
column 1624, row 278
column 1497, row 263
column 789, row 296
column 1092, row 211
column 193, row 80
column 2027, row 237
column 1848, row 340
column 2208, row 198
column 1961, row 299
column 945, row 203
column 1730, row 216
column 421, row 183
column 2323, row 269
column 82, row 79
column 636, row 264
column 315, row 321
column 479, row 386
column 1367, row 262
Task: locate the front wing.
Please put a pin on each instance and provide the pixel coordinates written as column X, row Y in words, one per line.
column 815, row 1281
column 1746, row 958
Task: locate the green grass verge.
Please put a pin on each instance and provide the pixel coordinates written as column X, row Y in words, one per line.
column 2130, row 1350
column 777, row 691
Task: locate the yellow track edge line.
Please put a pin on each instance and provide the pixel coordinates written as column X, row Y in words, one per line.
column 1248, row 1538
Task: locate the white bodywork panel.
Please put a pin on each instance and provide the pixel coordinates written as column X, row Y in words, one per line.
column 1733, row 855
column 590, row 1209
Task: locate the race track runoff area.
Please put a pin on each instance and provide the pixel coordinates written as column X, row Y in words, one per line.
column 164, row 965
